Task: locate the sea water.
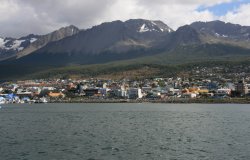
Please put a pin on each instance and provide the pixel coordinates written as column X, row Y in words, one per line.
column 125, row 131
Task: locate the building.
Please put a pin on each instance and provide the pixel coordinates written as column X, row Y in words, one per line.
column 120, row 93
column 91, row 92
column 225, row 91
column 189, row 95
column 134, row 93
column 56, row 94
column 24, row 93
column 241, row 87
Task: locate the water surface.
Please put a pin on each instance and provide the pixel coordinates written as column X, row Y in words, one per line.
column 125, row 131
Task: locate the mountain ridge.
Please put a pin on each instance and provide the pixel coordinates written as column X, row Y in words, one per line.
column 139, row 40
column 114, row 37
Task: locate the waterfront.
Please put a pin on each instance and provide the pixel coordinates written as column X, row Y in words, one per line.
column 125, row 131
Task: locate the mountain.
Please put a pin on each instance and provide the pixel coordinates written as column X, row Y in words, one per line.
column 17, row 48
column 49, row 38
column 135, row 41
column 221, row 32
column 106, row 42
column 185, row 35
column 224, row 30
column 11, row 46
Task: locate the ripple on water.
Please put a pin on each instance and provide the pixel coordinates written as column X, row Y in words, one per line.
column 125, row 131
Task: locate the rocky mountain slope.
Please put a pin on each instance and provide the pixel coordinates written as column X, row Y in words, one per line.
column 221, row 32
column 17, row 48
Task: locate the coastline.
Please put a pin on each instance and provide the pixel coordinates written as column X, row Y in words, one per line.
column 204, row 101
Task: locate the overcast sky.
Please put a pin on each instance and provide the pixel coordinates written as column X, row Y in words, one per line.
column 22, row 17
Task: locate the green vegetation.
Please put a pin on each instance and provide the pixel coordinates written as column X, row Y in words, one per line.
column 130, row 70
column 182, row 59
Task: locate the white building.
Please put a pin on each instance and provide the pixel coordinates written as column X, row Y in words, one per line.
column 189, row 95
column 2, row 100
column 224, row 91
column 248, row 88
column 49, row 88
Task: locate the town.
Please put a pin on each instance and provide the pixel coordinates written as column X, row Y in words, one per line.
column 200, row 84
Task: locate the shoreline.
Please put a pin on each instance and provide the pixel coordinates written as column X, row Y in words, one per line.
column 187, row 101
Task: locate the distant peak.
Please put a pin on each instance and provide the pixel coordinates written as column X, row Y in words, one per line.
column 143, row 21
column 144, row 25
column 112, row 22
column 72, row 26
column 215, row 22
column 185, row 28
column 69, row 27
column 138, row 19
column 29, row 36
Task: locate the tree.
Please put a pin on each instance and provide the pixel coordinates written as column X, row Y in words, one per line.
column 161, row 83
column 44, row 93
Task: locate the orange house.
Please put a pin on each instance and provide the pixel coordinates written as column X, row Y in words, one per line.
column 56, row 94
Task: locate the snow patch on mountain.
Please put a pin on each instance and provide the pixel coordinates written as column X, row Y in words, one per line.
column 219, row 35
column 20, row 49
column 17, row 44
column 144, row 28
column 2, row 43
column 33, row 40
column 150, row 28
column 153, row 23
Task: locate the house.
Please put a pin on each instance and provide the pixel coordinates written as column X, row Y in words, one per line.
column 203, row 91
column 248, row 87
column 189, row 95
column 225, row 91
column 146, row 89
column 120, row 93
column 56, row 94
column 23, row 93
column 103, row 91
column 90, row 92
column 174, row 91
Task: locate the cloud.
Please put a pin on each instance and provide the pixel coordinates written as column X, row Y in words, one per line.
column 184, row 2
column 240, row 15
column 19, row 18
column 176, row 13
